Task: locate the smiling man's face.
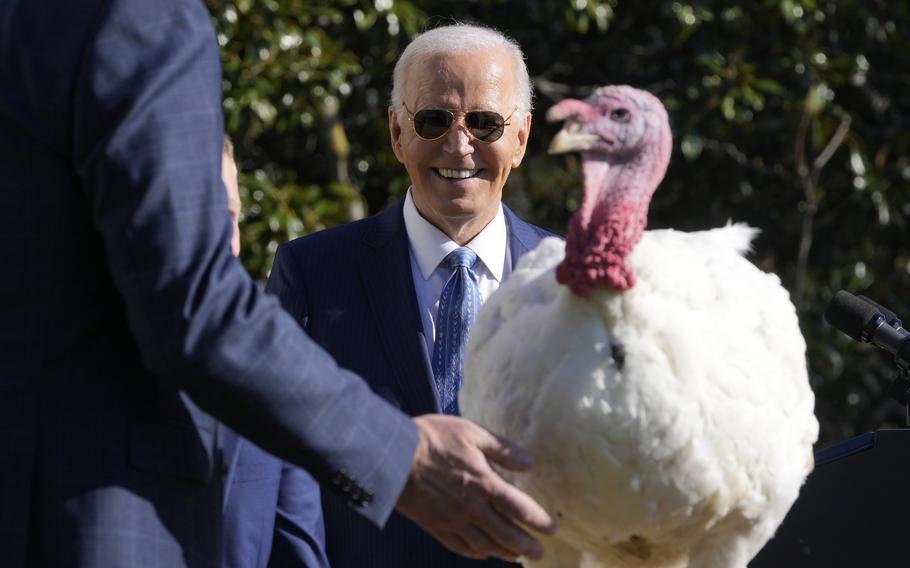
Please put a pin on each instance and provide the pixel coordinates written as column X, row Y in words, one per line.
column 456, row 180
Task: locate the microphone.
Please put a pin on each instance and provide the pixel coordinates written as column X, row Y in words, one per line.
column 892, row 318
column 865, row 320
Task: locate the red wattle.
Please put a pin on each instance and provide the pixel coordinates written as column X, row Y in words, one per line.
column 596, row 255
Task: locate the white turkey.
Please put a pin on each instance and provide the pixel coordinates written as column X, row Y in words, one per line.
column 658, row 377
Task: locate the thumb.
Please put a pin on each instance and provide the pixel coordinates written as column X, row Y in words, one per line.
column 504, row 452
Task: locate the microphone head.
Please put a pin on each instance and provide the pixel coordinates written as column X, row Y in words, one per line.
column 890, row 316
column 851, row 315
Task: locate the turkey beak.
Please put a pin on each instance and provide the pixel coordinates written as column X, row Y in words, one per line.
column 571, row 139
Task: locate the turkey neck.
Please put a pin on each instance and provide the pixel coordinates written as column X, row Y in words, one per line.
column 609, row 223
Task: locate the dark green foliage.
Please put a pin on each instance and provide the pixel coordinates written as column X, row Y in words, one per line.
column 789, row 115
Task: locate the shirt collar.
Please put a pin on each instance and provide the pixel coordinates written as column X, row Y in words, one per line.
column 430, row 245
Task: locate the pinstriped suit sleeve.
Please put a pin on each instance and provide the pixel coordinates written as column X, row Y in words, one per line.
column 146, row 144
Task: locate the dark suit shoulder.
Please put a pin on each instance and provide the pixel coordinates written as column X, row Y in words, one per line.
column 544, row 233
column 323, row 266
column 521, row 227
column 333, row 237
column 351, row 233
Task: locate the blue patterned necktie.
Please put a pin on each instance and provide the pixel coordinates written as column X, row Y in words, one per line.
column 458, row 306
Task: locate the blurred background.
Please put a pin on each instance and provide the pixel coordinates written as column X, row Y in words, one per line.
column 790, row 115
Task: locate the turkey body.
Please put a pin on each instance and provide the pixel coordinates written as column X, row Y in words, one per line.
column 671, row 423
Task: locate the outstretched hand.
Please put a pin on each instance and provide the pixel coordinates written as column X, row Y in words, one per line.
column 454, row 494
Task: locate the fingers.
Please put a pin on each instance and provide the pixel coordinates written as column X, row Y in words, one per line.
column 473, row 542
column 516, row 505
column 510, row 501
column 482, row 546
column 506, row 503
column 456, row 496
column 503, row 451
column 510, row 537
column 456, row 543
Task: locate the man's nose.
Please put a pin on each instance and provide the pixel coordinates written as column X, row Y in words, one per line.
column 457, row 139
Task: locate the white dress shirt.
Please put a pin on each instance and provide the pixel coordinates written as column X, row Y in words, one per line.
column 429, row 246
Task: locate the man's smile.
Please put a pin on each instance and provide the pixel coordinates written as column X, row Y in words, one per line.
column 455, row 174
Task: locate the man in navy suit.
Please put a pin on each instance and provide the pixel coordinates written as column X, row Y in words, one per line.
column 459, row 120
column 127, row 327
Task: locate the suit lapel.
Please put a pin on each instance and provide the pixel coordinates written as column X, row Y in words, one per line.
column 385, row 270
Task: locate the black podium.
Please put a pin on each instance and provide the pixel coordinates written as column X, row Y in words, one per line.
column 853, row 509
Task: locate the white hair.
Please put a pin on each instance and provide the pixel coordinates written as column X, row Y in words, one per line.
column 461, row 38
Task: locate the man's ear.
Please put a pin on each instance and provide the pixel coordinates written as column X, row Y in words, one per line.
column 395, row 132
column 523, row 134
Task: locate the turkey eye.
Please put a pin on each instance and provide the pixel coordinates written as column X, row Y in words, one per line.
column 620, row 115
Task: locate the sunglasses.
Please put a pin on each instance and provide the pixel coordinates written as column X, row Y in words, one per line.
column 433, row 123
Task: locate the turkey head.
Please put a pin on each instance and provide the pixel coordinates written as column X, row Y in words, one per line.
column 624, row 138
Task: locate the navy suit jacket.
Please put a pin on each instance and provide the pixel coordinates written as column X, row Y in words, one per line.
column 353, row 289
column 125, row 322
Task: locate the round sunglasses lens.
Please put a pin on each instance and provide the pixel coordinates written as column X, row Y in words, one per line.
column 432, row 123
column 485, row 125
